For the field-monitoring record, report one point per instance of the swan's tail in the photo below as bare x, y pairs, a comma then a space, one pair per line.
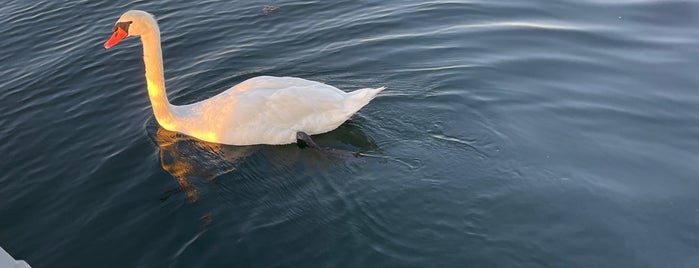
361, 97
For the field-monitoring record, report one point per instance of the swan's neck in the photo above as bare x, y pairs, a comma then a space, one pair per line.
155, 79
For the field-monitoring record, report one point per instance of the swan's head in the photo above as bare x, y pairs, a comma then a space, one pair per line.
131, 23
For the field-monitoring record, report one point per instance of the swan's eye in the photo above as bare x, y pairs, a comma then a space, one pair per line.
123, 25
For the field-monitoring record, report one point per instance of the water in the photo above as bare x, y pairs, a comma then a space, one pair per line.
511, 134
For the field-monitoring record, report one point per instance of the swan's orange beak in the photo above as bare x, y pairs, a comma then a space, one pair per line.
117, 36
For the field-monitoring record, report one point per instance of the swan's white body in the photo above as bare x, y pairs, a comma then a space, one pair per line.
260, 110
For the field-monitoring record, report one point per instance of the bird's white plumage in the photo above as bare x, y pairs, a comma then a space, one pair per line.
270, 110
260, 110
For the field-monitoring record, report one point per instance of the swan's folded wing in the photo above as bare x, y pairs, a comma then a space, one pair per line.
309, 107
273, 109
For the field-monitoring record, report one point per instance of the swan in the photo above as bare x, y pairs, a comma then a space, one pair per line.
260, 110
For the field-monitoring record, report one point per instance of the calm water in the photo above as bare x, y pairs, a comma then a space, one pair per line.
512, 134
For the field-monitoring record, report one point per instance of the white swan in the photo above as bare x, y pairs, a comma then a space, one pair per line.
260, 110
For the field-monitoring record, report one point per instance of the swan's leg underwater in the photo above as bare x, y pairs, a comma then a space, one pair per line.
303, 139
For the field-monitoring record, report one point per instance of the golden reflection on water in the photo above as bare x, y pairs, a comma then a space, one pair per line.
191, 161
186, 158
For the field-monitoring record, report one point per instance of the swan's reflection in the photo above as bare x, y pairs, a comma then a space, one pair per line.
188, 159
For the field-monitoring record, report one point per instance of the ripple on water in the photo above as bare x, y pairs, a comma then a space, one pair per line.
499, 117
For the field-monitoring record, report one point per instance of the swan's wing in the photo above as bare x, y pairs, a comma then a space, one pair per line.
292, 103
271, 110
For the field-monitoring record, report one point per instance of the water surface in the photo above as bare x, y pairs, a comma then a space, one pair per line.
511, 134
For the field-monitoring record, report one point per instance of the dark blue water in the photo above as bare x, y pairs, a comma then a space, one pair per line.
511, 134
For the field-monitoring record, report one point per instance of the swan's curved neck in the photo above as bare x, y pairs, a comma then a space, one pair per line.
155, 79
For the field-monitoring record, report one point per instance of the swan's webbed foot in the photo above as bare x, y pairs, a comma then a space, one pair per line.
304, 140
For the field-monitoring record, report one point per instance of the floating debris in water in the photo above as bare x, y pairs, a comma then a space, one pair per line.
269, 9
